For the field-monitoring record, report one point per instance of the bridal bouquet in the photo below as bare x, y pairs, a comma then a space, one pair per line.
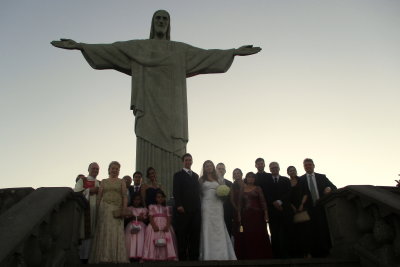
222, 191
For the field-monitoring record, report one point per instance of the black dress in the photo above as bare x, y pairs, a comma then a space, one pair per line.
301, 231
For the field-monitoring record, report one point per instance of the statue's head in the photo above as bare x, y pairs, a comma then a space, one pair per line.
160, 25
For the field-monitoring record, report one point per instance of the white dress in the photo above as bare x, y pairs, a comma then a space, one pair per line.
215, 243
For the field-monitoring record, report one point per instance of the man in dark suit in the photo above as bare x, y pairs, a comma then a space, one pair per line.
186, 192
137, 182
317, 185
262, 177
280, 213
228, 208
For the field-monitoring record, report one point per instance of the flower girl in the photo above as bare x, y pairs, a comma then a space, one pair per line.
160, 241
135, 230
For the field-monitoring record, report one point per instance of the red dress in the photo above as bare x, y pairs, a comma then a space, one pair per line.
254, 242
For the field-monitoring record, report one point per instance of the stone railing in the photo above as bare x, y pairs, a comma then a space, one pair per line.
364, 223
42, 229
11, 196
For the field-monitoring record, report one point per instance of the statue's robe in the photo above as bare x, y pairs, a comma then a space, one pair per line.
159, 69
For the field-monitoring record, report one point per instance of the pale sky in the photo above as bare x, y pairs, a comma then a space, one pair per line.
326, 86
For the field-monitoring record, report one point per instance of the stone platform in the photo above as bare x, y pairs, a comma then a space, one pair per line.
41, 228
248, 263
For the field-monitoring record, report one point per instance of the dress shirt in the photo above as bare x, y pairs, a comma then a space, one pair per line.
276, 178
190, 172
136, 188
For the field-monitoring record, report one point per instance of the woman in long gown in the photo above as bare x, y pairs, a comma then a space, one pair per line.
253, 216
215, 243
234, 195
301, 231
109, 239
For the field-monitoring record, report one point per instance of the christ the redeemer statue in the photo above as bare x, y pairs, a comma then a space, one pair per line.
159, 68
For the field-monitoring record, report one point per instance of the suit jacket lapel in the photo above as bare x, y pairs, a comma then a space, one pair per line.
320, 184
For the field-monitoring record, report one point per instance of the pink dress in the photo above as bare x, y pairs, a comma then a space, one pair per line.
159, 253
135, 242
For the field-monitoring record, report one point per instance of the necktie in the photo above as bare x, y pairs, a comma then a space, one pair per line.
136, 188
190, 173
276, 180
313, 190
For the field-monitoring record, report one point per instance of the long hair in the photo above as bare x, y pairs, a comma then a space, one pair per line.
235, 183
214, 174
150, 169
250, 174
153, 32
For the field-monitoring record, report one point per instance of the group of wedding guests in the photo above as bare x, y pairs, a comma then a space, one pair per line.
297, 224
125, 222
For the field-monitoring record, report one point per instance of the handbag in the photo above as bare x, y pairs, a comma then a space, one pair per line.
135, 227
160, 241
301, 216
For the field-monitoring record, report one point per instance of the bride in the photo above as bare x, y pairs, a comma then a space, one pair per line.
215, 243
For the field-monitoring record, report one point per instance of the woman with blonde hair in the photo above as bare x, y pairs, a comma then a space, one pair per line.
109, 240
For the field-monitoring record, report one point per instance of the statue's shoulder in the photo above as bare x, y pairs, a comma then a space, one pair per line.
180, 44
130, 42
142, 44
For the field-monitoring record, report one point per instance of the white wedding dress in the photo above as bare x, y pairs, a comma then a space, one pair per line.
215, 243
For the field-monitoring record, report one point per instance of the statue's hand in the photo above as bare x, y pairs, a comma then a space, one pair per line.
247, 50
67, 44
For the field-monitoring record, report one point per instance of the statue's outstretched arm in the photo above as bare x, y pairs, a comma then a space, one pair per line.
67, 44
246, 50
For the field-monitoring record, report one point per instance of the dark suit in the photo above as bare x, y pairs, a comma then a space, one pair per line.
131, 192
279, 221
137, 190
186, 192
228, 210
320, 239
262, 179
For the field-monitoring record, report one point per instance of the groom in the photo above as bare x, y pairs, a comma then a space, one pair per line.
186, 192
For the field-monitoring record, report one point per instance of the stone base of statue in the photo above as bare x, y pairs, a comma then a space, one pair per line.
164, 162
